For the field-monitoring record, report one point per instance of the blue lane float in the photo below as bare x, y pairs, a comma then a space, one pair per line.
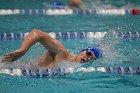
73, 35
12, 36
128, 35
44, 72
66, 11
122, 70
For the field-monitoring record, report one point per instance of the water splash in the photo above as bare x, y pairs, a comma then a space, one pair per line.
108, 46
67, 64
110, 4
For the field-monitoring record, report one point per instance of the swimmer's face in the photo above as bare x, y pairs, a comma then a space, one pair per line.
85, 56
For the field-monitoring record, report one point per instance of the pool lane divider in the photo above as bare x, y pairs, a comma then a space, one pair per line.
44, 72
68, 12
73, 35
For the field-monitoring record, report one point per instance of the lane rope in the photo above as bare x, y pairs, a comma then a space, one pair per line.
39, 73
73, 35
68, 12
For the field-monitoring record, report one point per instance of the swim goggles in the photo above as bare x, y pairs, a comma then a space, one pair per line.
89, 54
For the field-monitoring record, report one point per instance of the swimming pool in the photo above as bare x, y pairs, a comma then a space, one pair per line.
118, 52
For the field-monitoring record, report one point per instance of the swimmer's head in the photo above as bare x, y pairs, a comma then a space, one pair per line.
95, 51
88, 54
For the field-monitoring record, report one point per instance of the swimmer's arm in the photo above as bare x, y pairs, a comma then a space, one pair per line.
47, 41
33, 37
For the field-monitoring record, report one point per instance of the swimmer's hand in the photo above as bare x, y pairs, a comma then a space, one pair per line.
13, 56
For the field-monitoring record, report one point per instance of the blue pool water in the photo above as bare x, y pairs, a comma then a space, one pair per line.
117, 52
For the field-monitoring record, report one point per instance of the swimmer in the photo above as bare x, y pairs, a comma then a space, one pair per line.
76, 4
56, 54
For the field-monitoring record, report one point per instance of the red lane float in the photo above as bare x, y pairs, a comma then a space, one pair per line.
135, 11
